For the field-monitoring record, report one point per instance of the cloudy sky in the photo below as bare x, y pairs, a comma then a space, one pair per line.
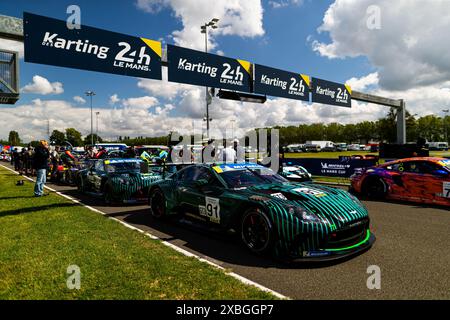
403, 54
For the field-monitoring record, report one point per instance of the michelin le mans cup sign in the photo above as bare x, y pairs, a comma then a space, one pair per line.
209, 70
49, 41
279, 83
328, 92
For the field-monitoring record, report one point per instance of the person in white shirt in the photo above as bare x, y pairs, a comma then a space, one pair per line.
227, 154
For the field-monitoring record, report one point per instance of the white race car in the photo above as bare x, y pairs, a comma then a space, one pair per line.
296, 173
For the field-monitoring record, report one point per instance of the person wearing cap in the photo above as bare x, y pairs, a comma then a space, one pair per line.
40, 164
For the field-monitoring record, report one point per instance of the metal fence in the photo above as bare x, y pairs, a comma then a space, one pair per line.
9, 84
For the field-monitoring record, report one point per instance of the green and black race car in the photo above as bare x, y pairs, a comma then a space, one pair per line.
124, 180
271, 215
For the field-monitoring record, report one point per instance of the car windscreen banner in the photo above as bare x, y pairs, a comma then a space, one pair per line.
332, 93
49, 41
208, 70
279, 83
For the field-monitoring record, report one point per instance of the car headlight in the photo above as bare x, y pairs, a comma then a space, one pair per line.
304, 215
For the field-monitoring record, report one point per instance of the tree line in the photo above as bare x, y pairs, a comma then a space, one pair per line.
430, 127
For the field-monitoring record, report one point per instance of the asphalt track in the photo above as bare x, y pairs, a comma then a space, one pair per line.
412, 251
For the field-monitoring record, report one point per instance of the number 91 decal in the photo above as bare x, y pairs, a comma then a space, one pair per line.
211, 210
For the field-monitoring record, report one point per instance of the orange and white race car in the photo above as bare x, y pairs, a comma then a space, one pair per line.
425, 180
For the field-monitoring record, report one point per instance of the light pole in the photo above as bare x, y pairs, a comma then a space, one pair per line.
91, 94
445, 124
96, 134
208, 98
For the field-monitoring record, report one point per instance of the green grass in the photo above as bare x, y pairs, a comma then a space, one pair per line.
41, 237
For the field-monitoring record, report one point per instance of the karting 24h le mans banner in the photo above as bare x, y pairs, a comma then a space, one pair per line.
333, 93
209, 70
279, 83
49, 41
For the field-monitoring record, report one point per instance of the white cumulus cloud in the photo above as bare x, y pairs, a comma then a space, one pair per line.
410, 48
79, 99
242, 18
163, 88
114, 99
144, 103
284, 3
41, 85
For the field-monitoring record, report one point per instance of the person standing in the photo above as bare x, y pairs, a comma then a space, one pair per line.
22, 161
15, 159
40, 163
54, 159
24, 155
227, 154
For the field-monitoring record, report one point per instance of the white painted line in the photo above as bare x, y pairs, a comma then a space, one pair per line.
166, 243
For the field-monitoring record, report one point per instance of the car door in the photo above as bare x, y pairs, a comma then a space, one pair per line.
423, 181
90, 177
94, 176
199, 193
435, 181
397, 187
185, 190
413, 181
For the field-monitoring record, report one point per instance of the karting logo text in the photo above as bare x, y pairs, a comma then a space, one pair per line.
51, 40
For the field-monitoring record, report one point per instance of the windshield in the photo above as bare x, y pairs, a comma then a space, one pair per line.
247, 177
130, 166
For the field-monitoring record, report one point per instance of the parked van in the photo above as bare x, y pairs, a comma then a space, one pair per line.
324, 145
341, 146
294, 148
353, 147
438, 146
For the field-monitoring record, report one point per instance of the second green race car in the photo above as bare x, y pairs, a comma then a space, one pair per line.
270, 214
119, 180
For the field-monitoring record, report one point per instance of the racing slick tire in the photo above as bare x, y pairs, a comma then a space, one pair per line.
157, 202
374, 188
256, 231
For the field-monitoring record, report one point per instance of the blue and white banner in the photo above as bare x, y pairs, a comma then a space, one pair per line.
49, 41
209, 70
333, 93
279, 83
